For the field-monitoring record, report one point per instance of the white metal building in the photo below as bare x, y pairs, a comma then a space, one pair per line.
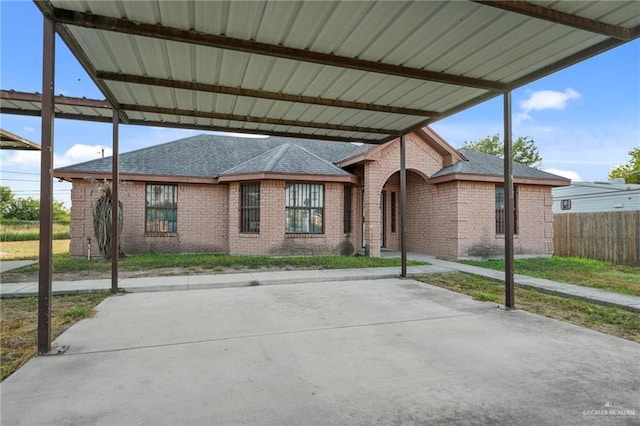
593, 197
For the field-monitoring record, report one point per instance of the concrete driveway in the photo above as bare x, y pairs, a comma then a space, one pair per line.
362, 352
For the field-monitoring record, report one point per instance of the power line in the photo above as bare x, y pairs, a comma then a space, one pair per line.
19, 180
37, 192
22, 173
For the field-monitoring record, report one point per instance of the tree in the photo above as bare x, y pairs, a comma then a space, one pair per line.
6, 200
24, 209
60, 212
629, 171
28, 208
102, 222
524, 149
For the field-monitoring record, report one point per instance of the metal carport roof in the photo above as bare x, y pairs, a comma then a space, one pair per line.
338, 70
10, 141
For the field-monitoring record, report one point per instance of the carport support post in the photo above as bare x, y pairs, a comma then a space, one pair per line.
508, 205
45, 274
403, 207
115, 211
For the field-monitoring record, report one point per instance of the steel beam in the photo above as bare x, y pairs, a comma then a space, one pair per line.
12, 95
563, 18
254, 119
403, 207
45, 274
261, 94
115, 211
509, 208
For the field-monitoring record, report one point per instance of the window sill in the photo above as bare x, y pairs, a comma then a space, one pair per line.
501, 236
161, 234
249, 235
304, 235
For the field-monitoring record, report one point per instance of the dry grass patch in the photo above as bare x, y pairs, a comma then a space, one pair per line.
19, 325
21, 250
614, 321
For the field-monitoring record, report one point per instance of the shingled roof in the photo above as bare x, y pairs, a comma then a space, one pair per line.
209, 156
287, 158
479, 163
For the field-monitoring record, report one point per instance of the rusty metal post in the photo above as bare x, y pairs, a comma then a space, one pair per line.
115, 211
403, 207
509, 216
45, 274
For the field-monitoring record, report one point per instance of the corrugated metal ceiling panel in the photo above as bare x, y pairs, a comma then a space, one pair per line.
151, 57
361, 30
185, 99
198, 121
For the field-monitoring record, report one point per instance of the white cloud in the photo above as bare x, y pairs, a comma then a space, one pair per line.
519, 117
27, 159
548, 99
30, 160
79, 153
569, 174
29, 129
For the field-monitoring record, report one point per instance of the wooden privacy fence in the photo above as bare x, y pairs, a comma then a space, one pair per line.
612, 236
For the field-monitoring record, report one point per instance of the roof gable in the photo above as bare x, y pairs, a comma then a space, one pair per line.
286, 158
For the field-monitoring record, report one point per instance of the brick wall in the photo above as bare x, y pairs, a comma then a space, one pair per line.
477, 219
447, 219
202, 220
273, 239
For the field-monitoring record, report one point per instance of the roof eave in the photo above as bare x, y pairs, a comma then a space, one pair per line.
287, 176
71, 175
498, 179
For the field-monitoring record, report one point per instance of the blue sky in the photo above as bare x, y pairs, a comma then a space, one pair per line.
584, 119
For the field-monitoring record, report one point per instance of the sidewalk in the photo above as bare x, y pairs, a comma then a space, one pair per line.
193, 282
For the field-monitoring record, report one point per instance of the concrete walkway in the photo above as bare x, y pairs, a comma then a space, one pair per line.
193, 282
594, 295
7, 265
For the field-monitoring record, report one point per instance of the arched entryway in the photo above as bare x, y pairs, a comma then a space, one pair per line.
419, 210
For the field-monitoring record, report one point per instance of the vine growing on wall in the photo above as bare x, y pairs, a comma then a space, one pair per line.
102, 210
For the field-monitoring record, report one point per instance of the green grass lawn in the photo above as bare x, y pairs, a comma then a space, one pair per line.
573, 270
64, 263
614, 321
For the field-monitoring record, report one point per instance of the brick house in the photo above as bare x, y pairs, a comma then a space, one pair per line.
278, 196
